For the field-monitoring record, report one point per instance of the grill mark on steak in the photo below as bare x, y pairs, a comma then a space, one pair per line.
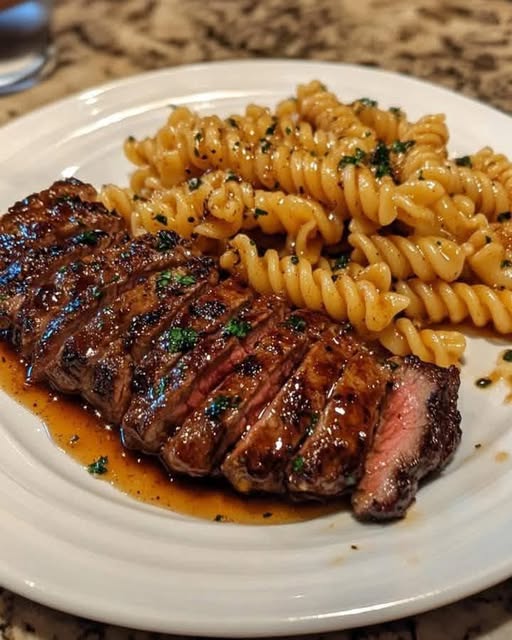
418, 433
140, 427
259, 460
65, 209
204, 438
331, 458
155, 298
37, 266
83, 287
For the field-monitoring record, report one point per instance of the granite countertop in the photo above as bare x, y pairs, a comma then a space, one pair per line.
465, 45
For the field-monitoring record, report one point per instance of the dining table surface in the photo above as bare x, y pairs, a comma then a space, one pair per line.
464, 45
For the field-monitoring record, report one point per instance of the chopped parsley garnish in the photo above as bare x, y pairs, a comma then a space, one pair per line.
99, 466
137, 197
181, 339
288, 131
130, 139
342, 261
420, 175
507, 356
295, 259
97, 293
164, 279
265, 145
231, 177
298, 464
232, 122
483, 382
359, 156
505, 264
488, 239
159, 217
89, 238
396, 111
185, 279
237, 327
220, 518
368, 102
380, 160
166, 240
313, 421
504, 216
296, 323
198, 137
464, 161
168, 277
74, 439
271, 130
260, 212
194, 183
220, 404
400, 146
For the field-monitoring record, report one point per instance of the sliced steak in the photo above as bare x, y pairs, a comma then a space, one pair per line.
259, 460
66, 209
418, 433
186, 379
38, 266
332, 457
53, 312
151, 303
220, 421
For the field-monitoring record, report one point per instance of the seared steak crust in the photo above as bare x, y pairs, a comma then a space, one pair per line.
208, 375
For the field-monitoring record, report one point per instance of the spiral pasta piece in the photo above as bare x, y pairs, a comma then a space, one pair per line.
427, 257
385, 123
430, 131
457, 302
342, 297
443, 348
496, 165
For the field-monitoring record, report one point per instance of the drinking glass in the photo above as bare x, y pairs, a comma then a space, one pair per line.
25, 42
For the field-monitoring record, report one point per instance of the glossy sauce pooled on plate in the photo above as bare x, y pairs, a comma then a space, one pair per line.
82, 434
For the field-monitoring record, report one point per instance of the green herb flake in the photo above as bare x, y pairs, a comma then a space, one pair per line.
288, 131
185, 280
265, 145
89, 238
260, 212
198, 137
159, 217
297, 464
483, 382
400, 146
232, 123
166, 241
420, 175
218, 405
271, 130
220, 518
231, 177
396, 111
74, 439
194, 183
99, 466
181, 339
313, 421
130, 139
368, 102
97, 293
294, 259
505, 264
507, 356
359, 156
380, 160
488, 239
297, 323
504, 216
136, 198
342, 261
237, 327
464, 161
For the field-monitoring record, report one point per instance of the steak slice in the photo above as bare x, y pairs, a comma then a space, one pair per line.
151, 303
207, 434
52, 313
331, 458
36, 266
67, 208
185, 386
418, 433
259, 460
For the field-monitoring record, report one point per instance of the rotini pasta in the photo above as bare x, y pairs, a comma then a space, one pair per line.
342, 297
272, 191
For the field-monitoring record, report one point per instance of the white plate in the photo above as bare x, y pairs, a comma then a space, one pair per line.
74, 543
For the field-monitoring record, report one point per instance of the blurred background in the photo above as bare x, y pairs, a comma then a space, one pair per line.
463, 44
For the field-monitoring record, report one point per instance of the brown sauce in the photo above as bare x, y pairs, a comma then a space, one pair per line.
81, 434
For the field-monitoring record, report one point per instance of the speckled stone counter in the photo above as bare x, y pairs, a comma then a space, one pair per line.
465, 45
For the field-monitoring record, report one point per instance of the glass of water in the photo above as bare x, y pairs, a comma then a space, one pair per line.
25, 42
